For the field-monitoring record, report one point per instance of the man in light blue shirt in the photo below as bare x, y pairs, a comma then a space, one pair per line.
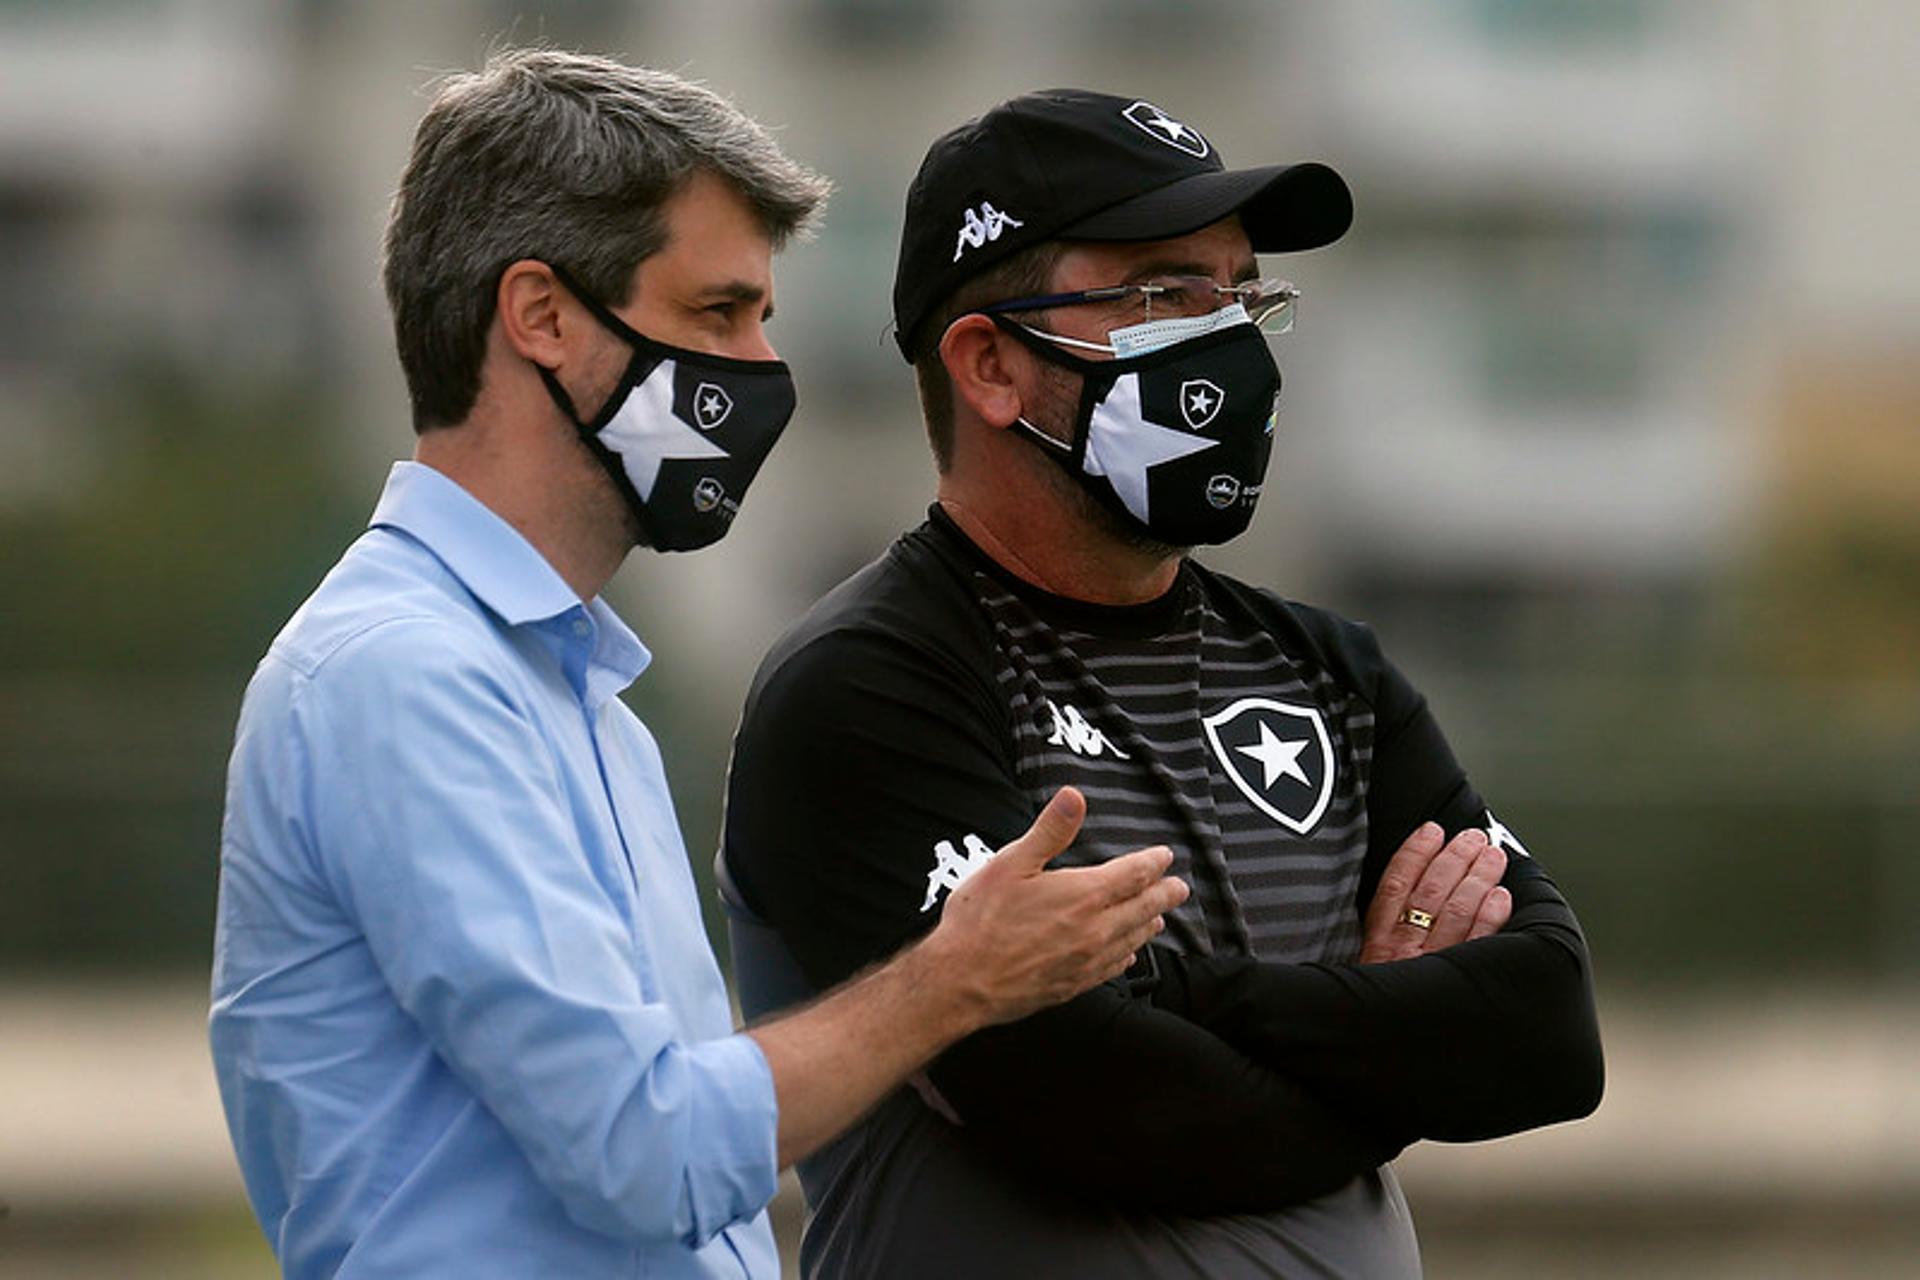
465, 1020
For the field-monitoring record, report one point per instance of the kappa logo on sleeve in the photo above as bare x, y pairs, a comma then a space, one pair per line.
1497, 833
951, 868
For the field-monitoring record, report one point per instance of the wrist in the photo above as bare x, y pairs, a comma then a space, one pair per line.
939, 980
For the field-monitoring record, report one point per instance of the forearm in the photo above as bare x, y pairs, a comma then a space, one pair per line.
832, 1060
1112, 1100
1483, 1039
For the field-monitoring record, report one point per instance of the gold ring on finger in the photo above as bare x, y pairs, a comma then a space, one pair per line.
1418, 919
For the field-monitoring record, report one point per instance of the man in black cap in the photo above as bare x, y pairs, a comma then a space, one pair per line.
1368, 958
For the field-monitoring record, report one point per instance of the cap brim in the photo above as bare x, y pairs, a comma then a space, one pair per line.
1284, 208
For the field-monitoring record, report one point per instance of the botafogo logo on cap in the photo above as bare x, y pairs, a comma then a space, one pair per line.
1161, 127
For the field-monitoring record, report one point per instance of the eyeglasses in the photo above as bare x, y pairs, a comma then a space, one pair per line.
1269, 302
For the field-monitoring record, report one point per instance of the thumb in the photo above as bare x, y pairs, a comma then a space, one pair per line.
1049, 835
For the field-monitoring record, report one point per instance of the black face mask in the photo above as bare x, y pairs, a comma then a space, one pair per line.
1175, 441
683, 432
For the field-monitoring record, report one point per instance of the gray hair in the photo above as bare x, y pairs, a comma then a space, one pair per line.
569, 159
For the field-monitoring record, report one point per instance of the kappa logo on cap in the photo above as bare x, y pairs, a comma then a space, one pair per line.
1161, 127
711, 405
978, 228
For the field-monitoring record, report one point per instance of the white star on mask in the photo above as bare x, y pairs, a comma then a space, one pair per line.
1123, 446
1201, 402
1277, 759
644, 433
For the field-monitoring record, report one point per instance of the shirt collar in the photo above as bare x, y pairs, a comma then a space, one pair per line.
496, 563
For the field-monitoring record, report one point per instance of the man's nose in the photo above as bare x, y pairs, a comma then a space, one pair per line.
754, 345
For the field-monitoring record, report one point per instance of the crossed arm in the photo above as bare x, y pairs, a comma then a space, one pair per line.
1236, 1085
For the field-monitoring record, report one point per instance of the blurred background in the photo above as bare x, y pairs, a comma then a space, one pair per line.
1606, 414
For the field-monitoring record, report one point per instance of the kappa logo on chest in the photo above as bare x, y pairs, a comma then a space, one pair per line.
1079, 735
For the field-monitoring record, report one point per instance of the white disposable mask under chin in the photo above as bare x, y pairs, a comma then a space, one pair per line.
1153, 335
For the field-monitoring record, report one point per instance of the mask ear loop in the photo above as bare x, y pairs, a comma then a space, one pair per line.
1039, 437
560, 396
1090, 399
599, 310
608, 459
1062, 340
1071, 454
630, 377
589, 432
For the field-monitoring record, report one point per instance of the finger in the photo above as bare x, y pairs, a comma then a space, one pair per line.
1129, 944
1398, 937
1137, 933
1403, 871
1114, 968
1127, 876
1142, 917
1160, 897
1169, 893
1131, 925
1493, 914
1155, 927
1048, 837
1444, 873
1454, 920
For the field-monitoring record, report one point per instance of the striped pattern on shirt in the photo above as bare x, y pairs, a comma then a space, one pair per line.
1122, 718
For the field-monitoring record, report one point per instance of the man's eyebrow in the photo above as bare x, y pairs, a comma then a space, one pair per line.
736, 291
1247, 270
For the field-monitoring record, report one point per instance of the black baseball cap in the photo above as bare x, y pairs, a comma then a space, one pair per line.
1073, 164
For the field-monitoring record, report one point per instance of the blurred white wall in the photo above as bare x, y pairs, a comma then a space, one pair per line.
1584, 234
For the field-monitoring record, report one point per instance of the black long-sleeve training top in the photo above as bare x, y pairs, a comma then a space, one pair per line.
1228, 1109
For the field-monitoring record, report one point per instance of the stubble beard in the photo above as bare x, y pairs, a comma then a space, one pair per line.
604, 496
1060, 391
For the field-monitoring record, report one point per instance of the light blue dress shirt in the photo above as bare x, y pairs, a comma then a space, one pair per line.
465, 1019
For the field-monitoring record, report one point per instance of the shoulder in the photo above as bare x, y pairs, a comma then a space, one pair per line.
912, 609
388, 632
387, 599
1345, 649
377, 666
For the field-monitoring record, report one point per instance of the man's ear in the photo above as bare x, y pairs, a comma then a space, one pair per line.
981, 363
529, 304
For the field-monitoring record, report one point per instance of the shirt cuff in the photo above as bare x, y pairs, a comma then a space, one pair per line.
735, 1124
